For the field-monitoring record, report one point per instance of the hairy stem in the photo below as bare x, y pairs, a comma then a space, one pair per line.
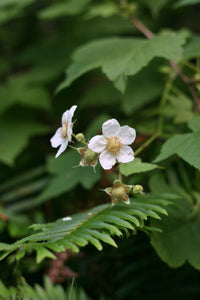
190, 82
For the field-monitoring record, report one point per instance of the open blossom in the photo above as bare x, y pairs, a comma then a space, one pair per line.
63, 134
113, 144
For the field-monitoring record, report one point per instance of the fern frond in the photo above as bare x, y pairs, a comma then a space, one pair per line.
94, 226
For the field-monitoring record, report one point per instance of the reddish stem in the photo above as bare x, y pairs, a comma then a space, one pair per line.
190, 82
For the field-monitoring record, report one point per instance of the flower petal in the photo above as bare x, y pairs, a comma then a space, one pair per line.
68, 114
125, 155
110, 128
97, 143
107, 160
57, 139
62, 147
127, 135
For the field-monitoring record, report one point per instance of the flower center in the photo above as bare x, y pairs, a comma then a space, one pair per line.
113, 144
64, 130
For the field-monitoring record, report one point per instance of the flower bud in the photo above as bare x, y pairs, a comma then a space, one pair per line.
90, 156
80, 137
119, 192
137, 189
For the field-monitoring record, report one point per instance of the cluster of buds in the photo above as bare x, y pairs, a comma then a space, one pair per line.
112, 147
119, 192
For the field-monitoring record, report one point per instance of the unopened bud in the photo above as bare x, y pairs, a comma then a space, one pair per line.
119, 192
80, 137
137, 189
90, 156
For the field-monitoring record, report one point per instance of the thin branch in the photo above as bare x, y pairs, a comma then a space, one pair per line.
190, 82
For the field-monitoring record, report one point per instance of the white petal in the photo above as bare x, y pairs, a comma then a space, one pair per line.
107, 160
127, 135
110, 128
62, 147
97, 143
72, 110
57, 139
68, 114
125, 155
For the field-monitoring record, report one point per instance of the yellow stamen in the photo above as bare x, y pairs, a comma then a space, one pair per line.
114, 145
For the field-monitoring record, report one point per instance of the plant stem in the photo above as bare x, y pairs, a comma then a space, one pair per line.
190, 82
147, 143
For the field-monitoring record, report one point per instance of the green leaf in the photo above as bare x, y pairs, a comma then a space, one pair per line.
23, 94
184, 145
14, 136
42, 253
96, 225
67, 8
136, 166
192, 48
103, 10
179, 240
181, 3
67, 174
194, 125
122, 57
155, 5
179, 107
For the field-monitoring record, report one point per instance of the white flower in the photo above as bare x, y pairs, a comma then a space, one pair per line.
113, 144
63, 134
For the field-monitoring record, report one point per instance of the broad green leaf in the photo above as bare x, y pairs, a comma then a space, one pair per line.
194, 125
4, 3
14, 136
192, 48
122, 57
17, 91
104, 10
155, 5
136, 166
67, 175
181, 3
179, 107
184, 145
179, 241
65, 8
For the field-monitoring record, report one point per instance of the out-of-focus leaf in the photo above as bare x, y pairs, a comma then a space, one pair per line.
182, 3
17, 91
65, 8
14, 136
136, 166
184, 145
179, 241
155, 5
122, 57
179, 107
103, 10
192, 48
67, 175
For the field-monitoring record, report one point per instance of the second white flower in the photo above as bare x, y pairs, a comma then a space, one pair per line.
113, 144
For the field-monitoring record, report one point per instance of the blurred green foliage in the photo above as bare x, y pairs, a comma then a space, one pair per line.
55, 54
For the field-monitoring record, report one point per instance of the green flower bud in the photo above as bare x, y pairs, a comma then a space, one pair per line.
80, 137
90, 156
137, 189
